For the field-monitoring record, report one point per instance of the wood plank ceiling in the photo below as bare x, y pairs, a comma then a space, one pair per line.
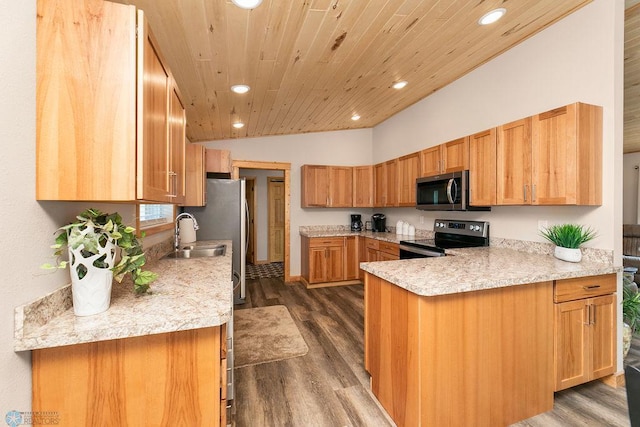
312, 64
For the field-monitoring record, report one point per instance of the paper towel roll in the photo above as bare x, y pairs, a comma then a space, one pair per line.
187, 231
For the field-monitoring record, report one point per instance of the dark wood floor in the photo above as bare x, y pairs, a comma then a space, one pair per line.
329, 386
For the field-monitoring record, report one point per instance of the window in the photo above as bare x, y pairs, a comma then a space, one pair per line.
154, 218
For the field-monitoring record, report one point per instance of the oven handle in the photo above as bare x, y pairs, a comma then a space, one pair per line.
420, 251
451, 183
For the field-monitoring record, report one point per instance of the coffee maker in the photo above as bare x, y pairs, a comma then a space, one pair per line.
356, 222
379, 222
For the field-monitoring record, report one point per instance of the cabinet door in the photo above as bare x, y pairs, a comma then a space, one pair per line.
430, 161
482, 168
340, 186
362, 255
554, 157
408, 172
85, 101
351, 264
383, 256
177, 144
571, 340
318, 265
363, 186
391, 193
195, 175
218, 161
603, 329
455, 155
335, 263
513, 168
380, 184
372, 255
153, 120
315, 186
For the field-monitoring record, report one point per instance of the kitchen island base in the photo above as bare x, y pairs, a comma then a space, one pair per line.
471, 358
176, 378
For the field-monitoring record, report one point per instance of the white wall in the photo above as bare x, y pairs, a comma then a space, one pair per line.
339, 148
630, 188
577, 59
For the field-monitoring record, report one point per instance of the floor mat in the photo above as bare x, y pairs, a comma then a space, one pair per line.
266, 334
264, 271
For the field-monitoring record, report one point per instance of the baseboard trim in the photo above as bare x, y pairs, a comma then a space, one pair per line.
329, 284
614, 380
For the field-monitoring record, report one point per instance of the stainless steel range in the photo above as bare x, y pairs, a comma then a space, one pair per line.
449, 234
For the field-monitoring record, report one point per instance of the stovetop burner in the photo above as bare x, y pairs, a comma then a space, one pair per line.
451, 234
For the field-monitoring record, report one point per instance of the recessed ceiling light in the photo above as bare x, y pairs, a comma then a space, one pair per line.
240, 88
355, 117
493, 16
238, 125
247, 4
400, 84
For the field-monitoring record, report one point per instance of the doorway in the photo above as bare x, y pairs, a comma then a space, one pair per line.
275, 194
251, 221
286, 171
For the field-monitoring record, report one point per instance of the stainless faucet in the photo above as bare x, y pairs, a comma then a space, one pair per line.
176, 235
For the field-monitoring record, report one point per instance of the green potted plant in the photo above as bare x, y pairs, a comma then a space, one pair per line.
630, 311
92, 242
568, 238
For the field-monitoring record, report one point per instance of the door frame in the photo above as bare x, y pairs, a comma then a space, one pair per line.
252, 227
286, 168
270, 179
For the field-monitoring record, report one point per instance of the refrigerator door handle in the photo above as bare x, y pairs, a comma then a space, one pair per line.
246, 234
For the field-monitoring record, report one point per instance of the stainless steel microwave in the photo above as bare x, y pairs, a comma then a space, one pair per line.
447, 192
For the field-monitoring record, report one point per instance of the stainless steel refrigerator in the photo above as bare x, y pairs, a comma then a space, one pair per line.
225, 218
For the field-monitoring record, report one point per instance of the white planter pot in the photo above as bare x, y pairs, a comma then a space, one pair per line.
568, 254
627, 334
92, 293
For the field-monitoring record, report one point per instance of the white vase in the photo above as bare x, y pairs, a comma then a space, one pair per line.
627, 334
568, 254
91, 294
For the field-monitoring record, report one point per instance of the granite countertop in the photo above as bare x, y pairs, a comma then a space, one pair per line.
188, 294
476, 269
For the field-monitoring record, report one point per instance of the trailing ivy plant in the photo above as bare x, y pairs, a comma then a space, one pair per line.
568, 235
105, 227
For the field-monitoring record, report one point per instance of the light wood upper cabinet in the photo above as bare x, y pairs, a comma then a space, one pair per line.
85, 101
177, 146
452, 156
340, 186
103, 107
315, 185
219, 161
326, 186
567, 156
362, 186
513, 163
380, 184
195, 175
391, 189
408, 172
482, 168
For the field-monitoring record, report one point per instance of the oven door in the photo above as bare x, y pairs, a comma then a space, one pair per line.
411, 252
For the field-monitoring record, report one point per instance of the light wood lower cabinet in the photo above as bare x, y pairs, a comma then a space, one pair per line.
585, 330
378, 250
329, 260
176, 378
466, 359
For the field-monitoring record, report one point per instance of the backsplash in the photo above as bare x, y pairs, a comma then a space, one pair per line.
588, 254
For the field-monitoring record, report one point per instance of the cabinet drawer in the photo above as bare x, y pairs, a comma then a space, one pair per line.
583, 287
326, 241
372, 244
389, 248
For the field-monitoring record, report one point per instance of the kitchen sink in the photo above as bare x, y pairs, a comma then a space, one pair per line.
198, 252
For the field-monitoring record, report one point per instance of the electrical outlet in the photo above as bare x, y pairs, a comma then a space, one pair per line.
421, 219
542, 224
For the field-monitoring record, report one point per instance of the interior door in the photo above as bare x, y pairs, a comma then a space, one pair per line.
276, 198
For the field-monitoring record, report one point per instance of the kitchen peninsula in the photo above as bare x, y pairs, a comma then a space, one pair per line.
148, 360
469, 339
